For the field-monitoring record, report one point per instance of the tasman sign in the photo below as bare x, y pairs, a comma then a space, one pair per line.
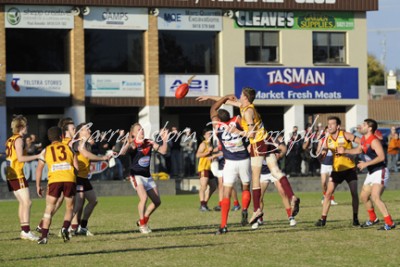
298, 83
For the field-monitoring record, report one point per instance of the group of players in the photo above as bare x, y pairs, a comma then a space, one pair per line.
68, 160
249, 151
249, 154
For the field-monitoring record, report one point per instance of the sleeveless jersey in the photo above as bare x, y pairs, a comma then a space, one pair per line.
60, 162
340, 162
234, 147
261, 133
370, 154
204, 162
140, 159
15, 169
83, 162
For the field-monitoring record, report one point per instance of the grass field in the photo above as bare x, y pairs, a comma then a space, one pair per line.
183, 236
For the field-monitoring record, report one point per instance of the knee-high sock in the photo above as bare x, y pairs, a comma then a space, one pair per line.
225, 206
256, 198
286, 187
246, 198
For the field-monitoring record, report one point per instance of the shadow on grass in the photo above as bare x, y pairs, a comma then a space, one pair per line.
87, 253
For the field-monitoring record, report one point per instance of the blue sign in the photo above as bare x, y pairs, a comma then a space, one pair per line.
298, 83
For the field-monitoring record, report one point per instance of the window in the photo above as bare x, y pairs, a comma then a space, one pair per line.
262, 47
113, 51
187, 52
37, 50
329, 47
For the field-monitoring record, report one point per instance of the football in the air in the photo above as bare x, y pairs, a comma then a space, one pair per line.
182, 90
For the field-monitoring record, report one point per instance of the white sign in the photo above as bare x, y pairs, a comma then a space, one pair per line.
114, 85
39, 17
200, 85
190, 19
38, 85
122, 18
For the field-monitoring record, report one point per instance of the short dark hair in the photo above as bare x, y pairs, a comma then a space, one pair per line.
250, 93
338, 121
54, 133
79, 127
224, 115
64, 122
372, 123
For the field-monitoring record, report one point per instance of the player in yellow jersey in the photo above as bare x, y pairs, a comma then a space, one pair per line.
343, 167
62, 164
204, 154
15, 157
84, 189
68, 129
260, 149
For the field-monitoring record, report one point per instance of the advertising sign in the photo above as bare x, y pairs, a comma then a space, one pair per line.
117, 18
297, 20
114, 85
190, 19
39, 17
298, 83
200, 85
38, 85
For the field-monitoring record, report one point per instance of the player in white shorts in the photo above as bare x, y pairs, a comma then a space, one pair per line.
266, 178
377, 177
237, 160
139, 150
217, 168
326, 167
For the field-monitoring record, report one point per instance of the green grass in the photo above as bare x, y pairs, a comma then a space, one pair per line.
183, 236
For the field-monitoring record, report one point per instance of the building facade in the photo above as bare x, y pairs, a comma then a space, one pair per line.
120, 61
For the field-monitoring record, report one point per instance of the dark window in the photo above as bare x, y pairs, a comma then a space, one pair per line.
187, 52
329, 47
37, 50
113, 51
262, 47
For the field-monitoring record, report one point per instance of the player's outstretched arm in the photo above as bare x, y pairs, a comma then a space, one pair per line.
232, 101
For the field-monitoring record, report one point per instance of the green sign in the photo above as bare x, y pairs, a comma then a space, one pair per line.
324, 20
294, 20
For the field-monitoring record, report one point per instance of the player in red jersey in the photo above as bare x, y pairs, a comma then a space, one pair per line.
377, 177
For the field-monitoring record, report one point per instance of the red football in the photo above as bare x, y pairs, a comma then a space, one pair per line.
182, 90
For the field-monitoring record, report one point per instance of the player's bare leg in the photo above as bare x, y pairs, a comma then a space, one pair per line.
202, 193
24, 210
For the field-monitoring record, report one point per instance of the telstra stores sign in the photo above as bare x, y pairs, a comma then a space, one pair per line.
299, 83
